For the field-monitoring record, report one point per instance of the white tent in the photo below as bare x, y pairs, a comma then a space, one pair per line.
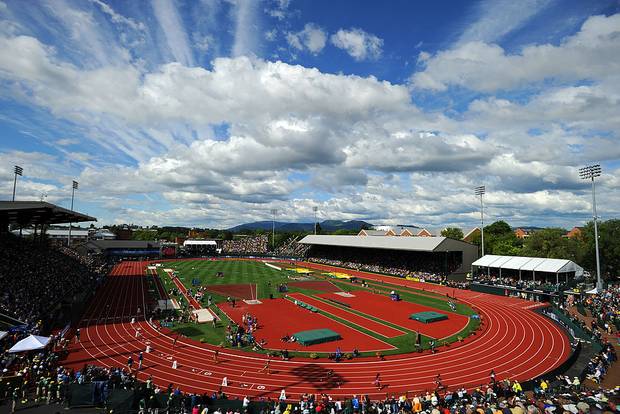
530, 264
32, 343
592, 291
3, 334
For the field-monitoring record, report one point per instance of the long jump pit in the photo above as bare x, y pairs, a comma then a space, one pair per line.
203, 315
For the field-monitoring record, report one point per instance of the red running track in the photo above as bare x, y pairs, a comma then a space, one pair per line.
514, 341
359, 320
280, 317
397, 313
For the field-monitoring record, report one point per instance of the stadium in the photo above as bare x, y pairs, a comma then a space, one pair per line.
340, 320
309, 207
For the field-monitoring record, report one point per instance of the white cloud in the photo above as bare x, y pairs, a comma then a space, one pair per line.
295, 134
247, 28
119, 18
494, 19
173, 31
592, 53
271, 35
81, 29
65, 142
311, 38
357, 43
202, 43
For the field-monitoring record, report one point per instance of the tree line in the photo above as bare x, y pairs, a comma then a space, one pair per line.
500, 239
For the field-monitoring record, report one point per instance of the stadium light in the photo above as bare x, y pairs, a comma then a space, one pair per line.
274, 212
74, 187
315, 209
589, 173
18, 171
479, 191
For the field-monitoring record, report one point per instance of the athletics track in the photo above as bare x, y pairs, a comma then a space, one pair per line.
514, 341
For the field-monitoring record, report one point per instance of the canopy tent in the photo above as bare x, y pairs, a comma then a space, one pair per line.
592, 291
199, 243
3, 334
529, 264
32, 343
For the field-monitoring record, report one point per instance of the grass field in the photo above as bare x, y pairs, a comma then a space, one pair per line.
267, 280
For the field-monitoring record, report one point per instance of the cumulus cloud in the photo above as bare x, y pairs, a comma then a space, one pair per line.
295, 135
312, 38
357, 43
592, 53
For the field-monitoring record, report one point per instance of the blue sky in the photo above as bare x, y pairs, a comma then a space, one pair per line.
213, 112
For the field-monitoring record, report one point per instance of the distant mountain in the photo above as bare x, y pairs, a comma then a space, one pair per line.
326, 226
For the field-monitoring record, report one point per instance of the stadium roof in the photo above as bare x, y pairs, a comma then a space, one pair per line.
420, 244
532, 264
27, 213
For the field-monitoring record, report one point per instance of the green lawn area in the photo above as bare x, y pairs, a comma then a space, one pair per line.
267, 280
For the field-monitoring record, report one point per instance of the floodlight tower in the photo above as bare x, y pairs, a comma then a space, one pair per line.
479, 191
74, 187
589, 173
274, 212
315, 209
18, 171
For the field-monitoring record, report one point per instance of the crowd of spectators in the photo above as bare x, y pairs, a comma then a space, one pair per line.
599, 364
36, 278
291, 248
422, 265
519, 284
377, 268
605, 309
247, 245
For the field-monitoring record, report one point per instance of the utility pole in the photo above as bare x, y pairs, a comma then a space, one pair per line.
589, 173
315, 209
74, 187
18, 171
479, 191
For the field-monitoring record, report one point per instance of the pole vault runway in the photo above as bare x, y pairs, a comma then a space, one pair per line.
513, 340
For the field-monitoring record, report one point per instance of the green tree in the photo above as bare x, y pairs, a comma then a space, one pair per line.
499, 239
498, 228
453, 233
609, 248
551, 243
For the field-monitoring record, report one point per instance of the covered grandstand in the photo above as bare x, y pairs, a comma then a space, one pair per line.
37, 214
443, 254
